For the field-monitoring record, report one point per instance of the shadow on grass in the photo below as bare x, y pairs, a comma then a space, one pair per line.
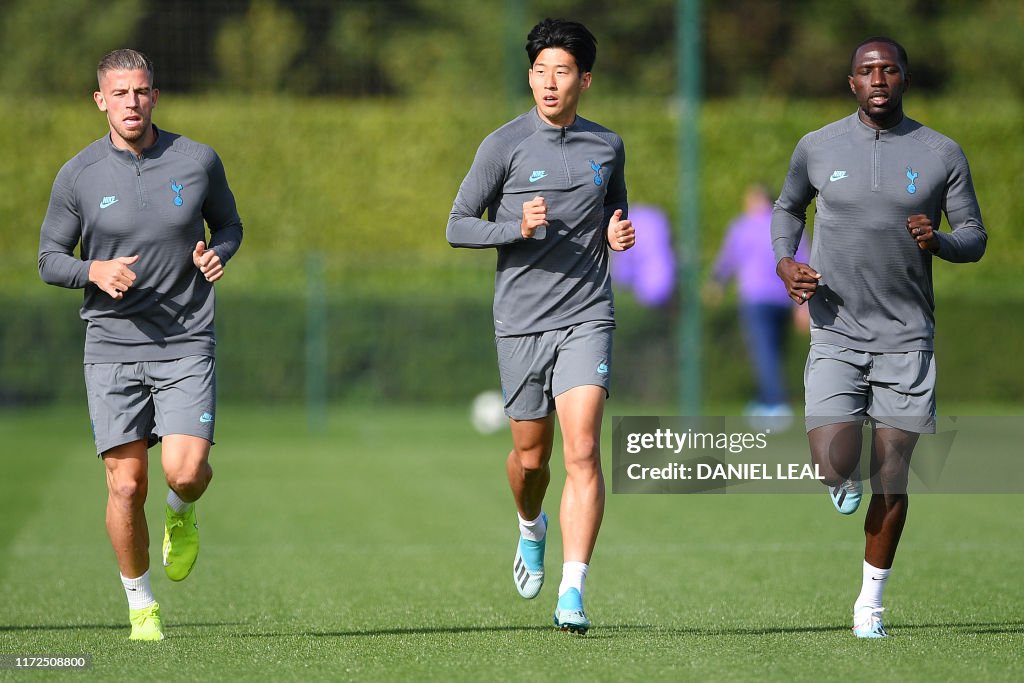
411, 631
14, 628
964, 627
610, 630
602, 631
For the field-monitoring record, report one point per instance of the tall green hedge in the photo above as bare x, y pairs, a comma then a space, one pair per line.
376, 179
368, 186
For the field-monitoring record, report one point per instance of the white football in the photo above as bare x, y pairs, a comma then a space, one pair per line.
487, 413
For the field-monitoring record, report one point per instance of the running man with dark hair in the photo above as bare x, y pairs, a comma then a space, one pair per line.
554, 190
880, 182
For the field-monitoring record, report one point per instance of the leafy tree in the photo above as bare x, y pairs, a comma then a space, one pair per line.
414, 48
428, 47
258, 53
54, 45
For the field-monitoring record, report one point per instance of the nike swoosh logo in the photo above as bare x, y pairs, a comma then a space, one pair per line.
108, 201
538, 175
838, 175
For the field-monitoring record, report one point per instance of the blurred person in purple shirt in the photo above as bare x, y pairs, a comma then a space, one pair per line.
765, 309
649, 268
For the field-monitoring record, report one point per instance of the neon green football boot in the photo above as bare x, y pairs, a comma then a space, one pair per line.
181, 542
146, 623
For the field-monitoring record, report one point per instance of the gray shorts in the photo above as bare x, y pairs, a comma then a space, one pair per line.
535, 368
893, 389
150, 399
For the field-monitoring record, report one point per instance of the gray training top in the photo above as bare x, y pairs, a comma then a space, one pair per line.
875, 292
118, 204
560, 276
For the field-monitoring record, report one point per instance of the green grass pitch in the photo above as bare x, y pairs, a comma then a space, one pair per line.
382, 550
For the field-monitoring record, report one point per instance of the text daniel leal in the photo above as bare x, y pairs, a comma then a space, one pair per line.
748, 471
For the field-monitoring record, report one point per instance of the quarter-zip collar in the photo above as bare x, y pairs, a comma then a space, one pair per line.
878, 136
136, 163
542, 124
558, 135
127, 156
900, 128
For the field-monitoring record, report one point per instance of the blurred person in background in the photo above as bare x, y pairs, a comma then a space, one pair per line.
765, 309
648, 270
553, 187
880, 182
136, 203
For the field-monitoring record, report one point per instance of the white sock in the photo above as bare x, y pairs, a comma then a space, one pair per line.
532, 531
177, 504
574, 574
138, 591
871, 587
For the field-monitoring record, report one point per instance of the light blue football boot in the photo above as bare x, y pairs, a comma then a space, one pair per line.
569, 614
846, 497
528, 565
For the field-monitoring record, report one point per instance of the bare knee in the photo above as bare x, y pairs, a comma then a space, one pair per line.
128, 491
190, 478
891, 479
582, 454
836, 449
892, 450
533, 461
